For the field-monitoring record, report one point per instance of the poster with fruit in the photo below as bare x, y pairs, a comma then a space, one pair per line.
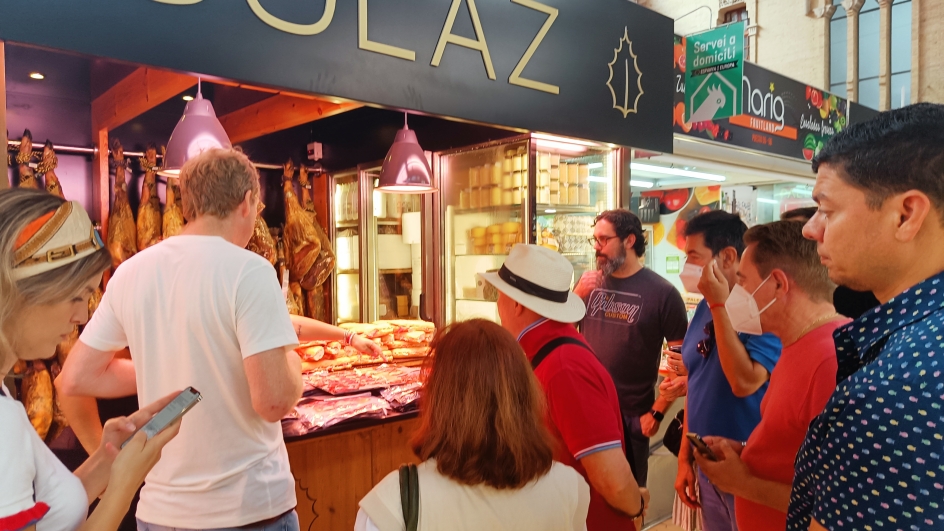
779, 115
676, 208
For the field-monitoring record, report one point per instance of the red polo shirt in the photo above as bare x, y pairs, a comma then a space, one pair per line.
583, 409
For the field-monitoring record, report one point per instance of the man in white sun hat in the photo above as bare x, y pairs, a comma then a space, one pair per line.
536, 305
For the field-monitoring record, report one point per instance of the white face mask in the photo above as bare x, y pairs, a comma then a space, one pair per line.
742, 309
690, 276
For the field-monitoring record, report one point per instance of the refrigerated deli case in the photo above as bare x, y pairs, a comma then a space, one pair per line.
534, 189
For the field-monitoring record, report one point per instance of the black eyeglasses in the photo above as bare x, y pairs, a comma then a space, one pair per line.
705, 346
602, 240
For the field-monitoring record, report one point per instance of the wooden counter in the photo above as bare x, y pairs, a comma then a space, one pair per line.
334, 471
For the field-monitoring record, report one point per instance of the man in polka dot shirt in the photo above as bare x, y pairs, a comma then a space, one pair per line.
872, 459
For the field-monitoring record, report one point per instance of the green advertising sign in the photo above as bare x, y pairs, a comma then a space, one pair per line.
715, 65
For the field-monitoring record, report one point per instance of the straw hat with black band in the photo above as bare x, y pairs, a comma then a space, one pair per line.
539, 279
53, 240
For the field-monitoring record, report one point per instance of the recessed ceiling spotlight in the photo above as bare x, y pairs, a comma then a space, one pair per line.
188, 97
37, 75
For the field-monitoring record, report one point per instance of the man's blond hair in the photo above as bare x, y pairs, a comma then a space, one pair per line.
215, 182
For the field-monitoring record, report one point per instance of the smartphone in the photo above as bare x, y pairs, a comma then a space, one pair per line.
181, 404
701, 446
676, 348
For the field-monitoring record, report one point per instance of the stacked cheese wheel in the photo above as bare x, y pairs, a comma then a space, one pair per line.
399, 340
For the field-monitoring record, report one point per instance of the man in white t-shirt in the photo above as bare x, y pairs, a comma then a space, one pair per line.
199, 310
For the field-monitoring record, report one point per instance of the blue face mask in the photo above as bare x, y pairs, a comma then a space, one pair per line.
743, 312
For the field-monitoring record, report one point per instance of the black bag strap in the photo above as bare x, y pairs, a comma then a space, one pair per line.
410, 496
553, 344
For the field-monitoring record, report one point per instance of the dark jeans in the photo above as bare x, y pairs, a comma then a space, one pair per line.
637, 449
288, 522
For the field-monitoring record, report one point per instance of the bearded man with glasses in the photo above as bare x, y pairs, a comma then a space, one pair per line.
728, 359
630, 312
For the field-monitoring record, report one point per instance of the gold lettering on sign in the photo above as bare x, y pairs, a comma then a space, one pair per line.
291, 27
448, 37
515, 78
371, 46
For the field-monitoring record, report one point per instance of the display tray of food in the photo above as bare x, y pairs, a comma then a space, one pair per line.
343, 386
398, 340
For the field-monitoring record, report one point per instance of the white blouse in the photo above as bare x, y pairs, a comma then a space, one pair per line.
31, 474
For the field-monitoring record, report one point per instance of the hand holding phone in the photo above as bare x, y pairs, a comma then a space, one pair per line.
701, 446
181, 404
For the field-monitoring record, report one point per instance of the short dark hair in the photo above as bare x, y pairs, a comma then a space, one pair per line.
625, 223
805, 213
720, 230
896, 151
781, 245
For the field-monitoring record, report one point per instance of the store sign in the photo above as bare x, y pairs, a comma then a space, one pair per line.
594, 69
713, 79
779, 115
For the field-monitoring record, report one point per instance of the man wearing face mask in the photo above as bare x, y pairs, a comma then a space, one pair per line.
630, 311
728, 366
780, 265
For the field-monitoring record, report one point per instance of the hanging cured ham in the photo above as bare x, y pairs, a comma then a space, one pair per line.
262, 242
122, 233
37, 397
47, 166
302, 245
23, 158
326, 259
149, 211
173, 210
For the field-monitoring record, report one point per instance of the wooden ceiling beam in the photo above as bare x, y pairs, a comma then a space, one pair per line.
277, 113
141, 91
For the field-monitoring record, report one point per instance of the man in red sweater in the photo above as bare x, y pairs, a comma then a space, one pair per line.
536, 305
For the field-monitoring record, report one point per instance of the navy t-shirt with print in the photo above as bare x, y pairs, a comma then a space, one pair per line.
872, 459
627, 320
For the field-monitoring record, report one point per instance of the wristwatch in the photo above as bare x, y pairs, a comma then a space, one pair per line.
658, 415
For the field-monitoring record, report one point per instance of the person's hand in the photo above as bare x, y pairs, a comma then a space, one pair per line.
366, 346
685, 484
117, 430
729, 471
648, 424
138, 457
713, 285
588, 282
645, 507
676, 363
715, 443
674, 388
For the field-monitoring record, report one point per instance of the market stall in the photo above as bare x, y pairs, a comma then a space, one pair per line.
390, 268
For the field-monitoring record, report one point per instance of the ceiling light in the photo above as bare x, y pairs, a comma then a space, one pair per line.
37, 75
188, 97
405, 168
560, 146
563, 139
640, 184
197, 131
550, 211
594, 165
677, 172
768, 201
597, 179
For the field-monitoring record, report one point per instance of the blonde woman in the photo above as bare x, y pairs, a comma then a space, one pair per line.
51, 260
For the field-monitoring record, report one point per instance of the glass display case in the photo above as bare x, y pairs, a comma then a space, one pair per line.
532, 188
379, 275
345, 233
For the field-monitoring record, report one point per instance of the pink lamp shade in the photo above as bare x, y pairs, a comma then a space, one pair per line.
405, 170
198, 130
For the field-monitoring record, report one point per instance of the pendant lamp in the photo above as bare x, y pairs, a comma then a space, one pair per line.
405, 169
198, 130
